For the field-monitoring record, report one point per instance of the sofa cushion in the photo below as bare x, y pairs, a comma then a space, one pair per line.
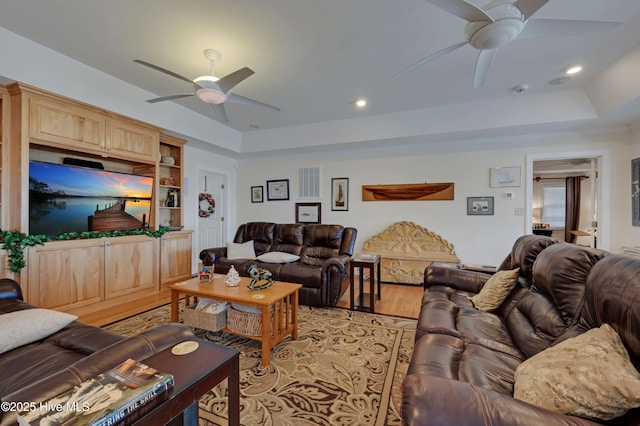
240, 250
30, 325
321, 242
277, 257
590, 376
288, 238
262, 234
496, 290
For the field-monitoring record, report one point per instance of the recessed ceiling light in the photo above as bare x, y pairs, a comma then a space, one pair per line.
361, 103
573, 69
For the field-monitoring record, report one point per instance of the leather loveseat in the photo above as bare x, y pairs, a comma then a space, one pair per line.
324, 253
467, 363
43, 368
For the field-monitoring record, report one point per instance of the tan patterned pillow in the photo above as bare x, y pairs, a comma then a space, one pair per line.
495, 290
588, 376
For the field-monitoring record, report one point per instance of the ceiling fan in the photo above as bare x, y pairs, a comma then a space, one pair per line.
500, 22
210, 89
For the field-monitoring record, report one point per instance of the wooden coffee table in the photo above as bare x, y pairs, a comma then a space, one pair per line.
279, 301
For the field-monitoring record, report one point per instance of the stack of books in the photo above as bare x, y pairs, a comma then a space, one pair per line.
118, 397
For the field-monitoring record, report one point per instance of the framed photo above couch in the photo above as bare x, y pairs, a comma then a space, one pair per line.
308, 212
340, 194
278, 189
257, 194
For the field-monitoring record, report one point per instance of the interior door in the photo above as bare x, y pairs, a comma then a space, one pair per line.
211, 208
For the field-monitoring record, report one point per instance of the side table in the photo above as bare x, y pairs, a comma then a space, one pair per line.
371, 262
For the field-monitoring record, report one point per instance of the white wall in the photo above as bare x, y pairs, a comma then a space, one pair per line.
477, 239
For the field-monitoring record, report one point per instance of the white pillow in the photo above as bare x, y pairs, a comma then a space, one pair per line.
241, 251
30, 325
277, 257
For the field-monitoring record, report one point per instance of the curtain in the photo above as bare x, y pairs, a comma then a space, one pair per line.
572, 207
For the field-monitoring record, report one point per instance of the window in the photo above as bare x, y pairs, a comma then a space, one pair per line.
553, 204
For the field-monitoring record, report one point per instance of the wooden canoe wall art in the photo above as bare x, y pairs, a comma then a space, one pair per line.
408, 192
406, 249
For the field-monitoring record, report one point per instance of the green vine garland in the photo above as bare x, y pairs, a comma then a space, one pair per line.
14, 241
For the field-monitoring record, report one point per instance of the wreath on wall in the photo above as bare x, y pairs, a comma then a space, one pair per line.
206, 205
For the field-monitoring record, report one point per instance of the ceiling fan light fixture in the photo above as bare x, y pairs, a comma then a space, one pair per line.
492, 35
211, 96
205, 79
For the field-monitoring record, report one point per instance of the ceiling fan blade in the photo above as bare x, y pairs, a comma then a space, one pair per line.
169, 98
485, 58
564, 27
227, 82
220, 113
462, 9
430, 58
232, 97
529, 7
166, 71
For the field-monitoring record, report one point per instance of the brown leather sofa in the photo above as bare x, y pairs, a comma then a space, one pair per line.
323, 268
464, 360
44, 368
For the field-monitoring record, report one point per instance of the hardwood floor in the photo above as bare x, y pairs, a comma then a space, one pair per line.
396, 299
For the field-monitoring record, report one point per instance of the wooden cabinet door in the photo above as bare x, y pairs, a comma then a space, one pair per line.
127, 139
130, 265
66, 274
66, 125
175, 256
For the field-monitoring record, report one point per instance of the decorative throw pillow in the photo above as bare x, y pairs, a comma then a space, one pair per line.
495, 290
277, 257
241, 251
589, 375
30, 325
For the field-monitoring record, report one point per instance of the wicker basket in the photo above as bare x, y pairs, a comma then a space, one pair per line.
247, 323
205, 320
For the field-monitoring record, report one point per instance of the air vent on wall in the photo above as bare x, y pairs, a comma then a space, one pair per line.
309, 183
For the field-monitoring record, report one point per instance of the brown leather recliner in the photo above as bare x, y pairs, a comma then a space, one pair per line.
323, 268
463, 364
43, 369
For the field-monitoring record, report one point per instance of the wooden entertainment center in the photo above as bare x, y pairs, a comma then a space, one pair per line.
102, 279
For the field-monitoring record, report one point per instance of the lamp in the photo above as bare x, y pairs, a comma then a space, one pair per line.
208, 90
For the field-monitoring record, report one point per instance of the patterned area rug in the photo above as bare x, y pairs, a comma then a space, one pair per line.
345, 368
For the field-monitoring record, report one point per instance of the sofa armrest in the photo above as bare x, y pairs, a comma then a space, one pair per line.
340, 263
460, 279
430, 400
10, 289
334, 270
209, 256
138, 347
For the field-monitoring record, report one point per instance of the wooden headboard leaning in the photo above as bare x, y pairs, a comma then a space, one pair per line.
406, 249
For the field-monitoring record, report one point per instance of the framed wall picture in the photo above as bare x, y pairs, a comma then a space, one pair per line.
278, 189
504, 176
480, 205
340, 194
635, 192
257, 194
308, 212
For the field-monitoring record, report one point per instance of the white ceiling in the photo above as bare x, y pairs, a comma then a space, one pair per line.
313, 58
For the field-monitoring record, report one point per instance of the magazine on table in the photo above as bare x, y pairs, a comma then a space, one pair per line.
107, 399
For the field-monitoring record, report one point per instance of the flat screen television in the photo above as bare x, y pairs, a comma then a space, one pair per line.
67, 198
